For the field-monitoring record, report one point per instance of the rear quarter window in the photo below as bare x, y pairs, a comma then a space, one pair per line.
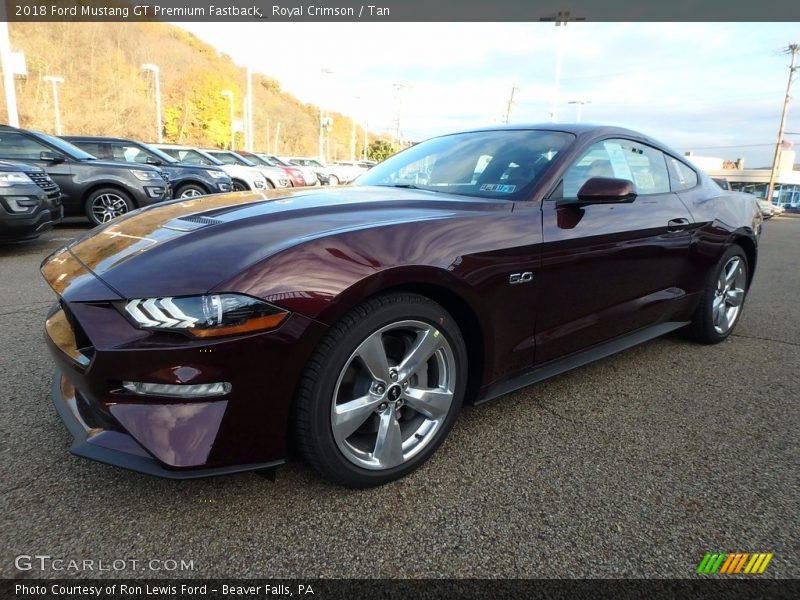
681, 175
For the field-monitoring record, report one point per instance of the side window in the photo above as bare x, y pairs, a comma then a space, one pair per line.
128, 153
642, 165
681, 175
16, 145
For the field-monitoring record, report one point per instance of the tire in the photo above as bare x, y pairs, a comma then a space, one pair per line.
346, 449
722, 298
190, 190
270, 185
333, 180
106, 204
239, 186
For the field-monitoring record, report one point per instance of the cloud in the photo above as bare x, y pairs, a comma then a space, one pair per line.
711, 84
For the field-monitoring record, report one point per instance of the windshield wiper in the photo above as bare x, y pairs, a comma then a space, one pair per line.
408, 186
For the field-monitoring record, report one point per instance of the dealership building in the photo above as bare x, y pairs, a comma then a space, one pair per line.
755, 181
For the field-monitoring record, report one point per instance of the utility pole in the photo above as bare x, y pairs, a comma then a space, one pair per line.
792, 49
507, 118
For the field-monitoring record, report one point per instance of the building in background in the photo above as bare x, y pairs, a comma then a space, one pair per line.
756, 181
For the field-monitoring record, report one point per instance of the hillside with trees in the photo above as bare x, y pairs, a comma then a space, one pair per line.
106, 93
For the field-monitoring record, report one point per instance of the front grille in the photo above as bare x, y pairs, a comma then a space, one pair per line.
43, 181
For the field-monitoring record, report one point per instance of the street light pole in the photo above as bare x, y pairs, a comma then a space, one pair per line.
55, 81
229, 95
324, 126
8, 74
560, 18
579, 108
157, 83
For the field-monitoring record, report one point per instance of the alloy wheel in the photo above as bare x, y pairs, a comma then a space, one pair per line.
190, 193
729, 295
108, 206
393, 394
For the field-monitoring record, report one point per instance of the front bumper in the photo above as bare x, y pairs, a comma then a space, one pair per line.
96, 349
117, 448
23, 226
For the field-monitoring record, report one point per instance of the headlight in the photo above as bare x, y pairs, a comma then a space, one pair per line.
147, 175
212, 315
218, 174
9, 179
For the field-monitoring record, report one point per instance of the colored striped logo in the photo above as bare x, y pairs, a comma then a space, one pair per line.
733, 563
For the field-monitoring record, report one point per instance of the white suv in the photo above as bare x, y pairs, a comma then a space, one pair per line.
242, 178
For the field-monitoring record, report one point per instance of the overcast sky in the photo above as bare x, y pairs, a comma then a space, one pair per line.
715, 88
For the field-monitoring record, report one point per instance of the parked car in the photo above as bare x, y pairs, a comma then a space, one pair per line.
276, 178
293, 173
308, 174
367, 164
358, 320
242, 178
778, 209
101, 190
353, 168
186, 180
30, 202
767, 208
333, 174
722, 182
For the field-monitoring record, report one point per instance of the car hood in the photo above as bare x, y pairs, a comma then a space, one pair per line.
192, 246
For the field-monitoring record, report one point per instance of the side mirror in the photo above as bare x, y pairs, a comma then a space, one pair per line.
152, 160
52, 157
602, 190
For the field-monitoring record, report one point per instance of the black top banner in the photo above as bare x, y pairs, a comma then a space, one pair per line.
557, 11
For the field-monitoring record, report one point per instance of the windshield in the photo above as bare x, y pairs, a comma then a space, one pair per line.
163, 156
66, 147
258, 160
231, 159
190, 156
487, 164
274, 161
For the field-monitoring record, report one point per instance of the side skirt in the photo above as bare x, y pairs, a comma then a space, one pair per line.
578, 359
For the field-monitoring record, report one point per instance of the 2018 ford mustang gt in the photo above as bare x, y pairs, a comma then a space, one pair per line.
200, 336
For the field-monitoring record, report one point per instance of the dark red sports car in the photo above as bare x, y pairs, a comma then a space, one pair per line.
197, 337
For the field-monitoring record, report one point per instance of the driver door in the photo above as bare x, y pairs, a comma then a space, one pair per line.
610, 269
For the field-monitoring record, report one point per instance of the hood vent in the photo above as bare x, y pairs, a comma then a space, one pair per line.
190, 223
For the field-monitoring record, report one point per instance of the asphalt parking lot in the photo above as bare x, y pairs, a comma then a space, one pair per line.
635, 466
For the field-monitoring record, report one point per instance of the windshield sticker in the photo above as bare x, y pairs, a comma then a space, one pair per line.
618, 161
498, 187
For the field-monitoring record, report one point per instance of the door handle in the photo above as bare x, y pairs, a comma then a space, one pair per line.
677, 225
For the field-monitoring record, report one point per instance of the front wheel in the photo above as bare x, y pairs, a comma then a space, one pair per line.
333, 180
722, 299
382, 390
106, 204
190, 190
239, 186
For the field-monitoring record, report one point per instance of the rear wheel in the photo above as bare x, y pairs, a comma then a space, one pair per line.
333, 180
382, 390
106, 204
722, 298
